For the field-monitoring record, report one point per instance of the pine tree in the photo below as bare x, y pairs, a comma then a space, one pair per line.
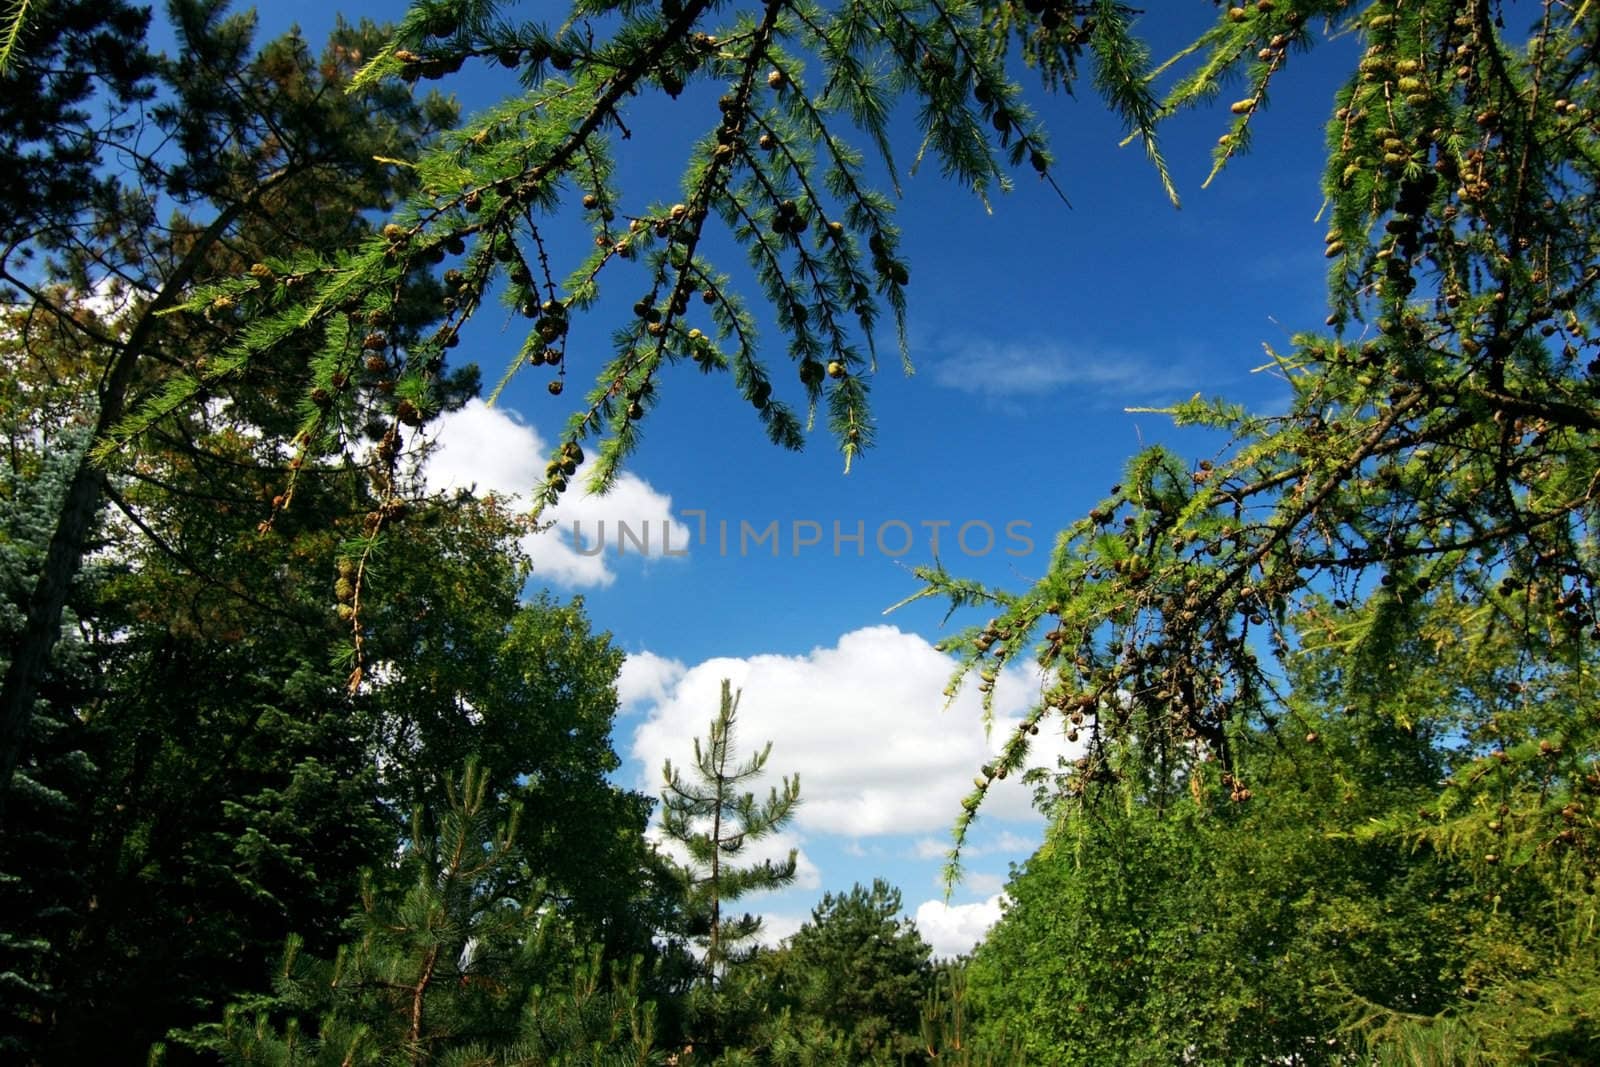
60, 62
455, 965
860, 969
946, 1025
714, 822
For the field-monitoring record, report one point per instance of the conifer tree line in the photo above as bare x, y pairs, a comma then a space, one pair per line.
270, 793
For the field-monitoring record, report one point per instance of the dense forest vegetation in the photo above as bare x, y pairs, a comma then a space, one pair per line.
295, 769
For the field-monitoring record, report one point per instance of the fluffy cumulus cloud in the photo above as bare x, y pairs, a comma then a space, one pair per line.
863, 724
951, 929
646, 679
496, 452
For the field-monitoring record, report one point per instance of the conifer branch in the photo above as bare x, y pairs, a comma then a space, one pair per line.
11, 33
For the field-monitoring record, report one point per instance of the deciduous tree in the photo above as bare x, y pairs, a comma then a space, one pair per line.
1351, 906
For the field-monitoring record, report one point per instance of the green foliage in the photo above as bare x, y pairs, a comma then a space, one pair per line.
245, 778
221, 797
1345, 903
714, 822
450, 968
10, 36
41, 889
860, 969
1445, 452
850, 987
525, 688
54, 59
256, 141
778, 170
1336, 799
199, 781
948, 1034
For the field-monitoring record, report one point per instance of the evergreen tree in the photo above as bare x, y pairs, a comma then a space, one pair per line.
203, 785
60, 64
858, 968
242, 791
454, 966
948, 1034
1438, 437
41, 900
1411, 543
1432, 476
713, 821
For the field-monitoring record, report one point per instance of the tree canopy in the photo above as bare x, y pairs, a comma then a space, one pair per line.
860, 967
1331, 686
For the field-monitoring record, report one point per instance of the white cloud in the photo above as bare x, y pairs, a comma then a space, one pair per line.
951, 929
863, 726
489, 448
779, 926
646, 678
1005, 843
108, 299
988, 368
498, 452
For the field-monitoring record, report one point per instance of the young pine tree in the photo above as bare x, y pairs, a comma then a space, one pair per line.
453, 966
714, 822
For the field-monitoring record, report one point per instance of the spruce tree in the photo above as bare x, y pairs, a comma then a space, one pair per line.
187, 747
42, 891
714, 822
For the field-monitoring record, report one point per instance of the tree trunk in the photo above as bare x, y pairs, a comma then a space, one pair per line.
30, 652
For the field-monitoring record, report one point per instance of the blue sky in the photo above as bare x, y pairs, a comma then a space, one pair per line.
1032, 330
